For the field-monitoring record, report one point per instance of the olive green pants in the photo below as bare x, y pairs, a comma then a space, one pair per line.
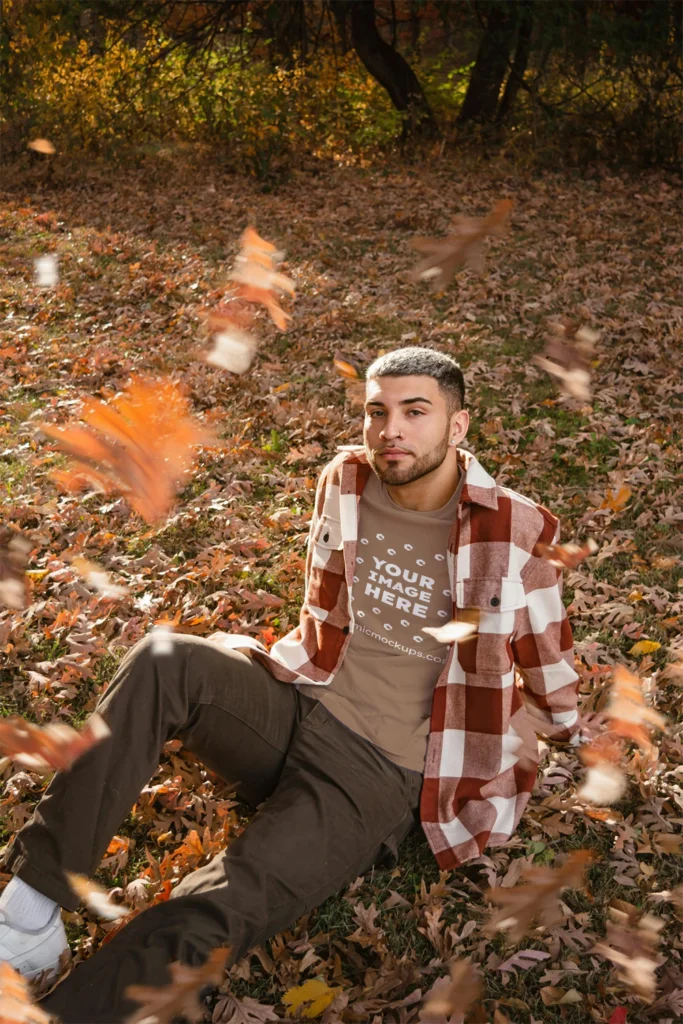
334, 806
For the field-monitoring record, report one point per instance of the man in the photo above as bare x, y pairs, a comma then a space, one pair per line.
385, 724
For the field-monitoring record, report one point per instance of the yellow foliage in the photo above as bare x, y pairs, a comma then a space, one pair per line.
312, 998
645, 647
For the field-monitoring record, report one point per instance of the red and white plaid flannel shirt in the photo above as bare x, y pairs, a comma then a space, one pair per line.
475, 787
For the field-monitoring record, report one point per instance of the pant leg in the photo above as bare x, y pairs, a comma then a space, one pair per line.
225, 707
337, 807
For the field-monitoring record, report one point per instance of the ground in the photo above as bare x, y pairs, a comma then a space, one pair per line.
142, 256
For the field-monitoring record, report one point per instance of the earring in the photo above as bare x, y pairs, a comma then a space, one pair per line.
453, 441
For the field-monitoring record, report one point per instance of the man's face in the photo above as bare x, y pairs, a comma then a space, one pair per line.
407, 428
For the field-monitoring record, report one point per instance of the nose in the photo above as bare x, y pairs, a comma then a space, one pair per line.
389, 431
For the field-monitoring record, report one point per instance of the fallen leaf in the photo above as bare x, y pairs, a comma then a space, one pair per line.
644, 647
310, 999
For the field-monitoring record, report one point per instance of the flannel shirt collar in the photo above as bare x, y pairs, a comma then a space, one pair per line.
479, 487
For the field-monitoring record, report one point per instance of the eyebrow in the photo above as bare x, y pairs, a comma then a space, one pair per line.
404, 401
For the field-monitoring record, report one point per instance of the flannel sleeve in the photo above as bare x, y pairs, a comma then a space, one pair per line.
543, 650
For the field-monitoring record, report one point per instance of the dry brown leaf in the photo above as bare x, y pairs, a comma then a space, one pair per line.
14, 585
631, 943
16, 1004
144, 447
180, 996
463, 247
55, 746
538, 900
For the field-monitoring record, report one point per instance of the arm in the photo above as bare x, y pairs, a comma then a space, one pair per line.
543, 649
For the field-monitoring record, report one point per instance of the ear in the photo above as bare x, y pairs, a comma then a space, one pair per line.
459, 425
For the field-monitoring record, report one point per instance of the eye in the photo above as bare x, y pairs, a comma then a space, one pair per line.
417, 411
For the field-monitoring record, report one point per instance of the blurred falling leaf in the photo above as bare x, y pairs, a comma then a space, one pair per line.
44, 748
14, 552
95, 897
16, 1004
233, 350
354, 383
463, 247
567, 356
523, 905
449, 996
42, 146
47, 275
257, 279
310, 999
162, 639
162, 1004
626, 718
452, 632
604, 784
565, 556
631, 943
143, 449
97, 578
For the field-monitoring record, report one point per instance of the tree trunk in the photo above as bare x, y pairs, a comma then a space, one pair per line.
388, 67
286, 20
519, 64
481, 99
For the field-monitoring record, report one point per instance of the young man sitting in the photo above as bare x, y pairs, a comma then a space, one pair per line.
384, 726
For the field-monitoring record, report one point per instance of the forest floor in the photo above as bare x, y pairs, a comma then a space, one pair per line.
142, 256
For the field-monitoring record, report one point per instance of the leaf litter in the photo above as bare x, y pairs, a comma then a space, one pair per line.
214, 540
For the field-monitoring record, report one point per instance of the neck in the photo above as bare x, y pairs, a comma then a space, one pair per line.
429, 492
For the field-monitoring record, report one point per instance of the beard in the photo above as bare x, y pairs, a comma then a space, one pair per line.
397, 474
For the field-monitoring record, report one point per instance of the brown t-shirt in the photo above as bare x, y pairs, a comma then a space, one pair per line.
383, 689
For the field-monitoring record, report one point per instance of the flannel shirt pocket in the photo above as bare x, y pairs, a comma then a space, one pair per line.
496, 600
328, 534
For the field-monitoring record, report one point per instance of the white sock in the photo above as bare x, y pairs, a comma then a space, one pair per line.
27, 909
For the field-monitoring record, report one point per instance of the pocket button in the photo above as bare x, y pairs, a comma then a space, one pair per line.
495, 601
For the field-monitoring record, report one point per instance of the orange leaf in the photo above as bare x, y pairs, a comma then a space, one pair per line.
16, 1004
145, 447
52, 746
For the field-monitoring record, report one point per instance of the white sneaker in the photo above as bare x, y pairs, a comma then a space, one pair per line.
31, 953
